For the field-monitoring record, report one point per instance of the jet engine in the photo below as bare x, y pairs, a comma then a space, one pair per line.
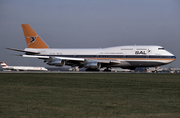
93, 65
57, 62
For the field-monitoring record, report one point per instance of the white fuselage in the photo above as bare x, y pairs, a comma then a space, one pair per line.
129, 56
25, 68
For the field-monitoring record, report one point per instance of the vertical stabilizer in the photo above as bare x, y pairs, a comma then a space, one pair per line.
4, 65
32, 38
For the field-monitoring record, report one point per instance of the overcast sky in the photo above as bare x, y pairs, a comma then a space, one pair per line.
89, 24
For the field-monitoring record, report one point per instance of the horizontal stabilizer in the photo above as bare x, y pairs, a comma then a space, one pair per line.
19, 50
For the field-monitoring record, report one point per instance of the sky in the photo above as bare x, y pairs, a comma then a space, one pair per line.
89, 24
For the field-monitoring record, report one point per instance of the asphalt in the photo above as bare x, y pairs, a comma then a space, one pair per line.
55, 72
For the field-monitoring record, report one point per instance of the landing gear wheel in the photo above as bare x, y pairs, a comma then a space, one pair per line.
107, 70
89, 69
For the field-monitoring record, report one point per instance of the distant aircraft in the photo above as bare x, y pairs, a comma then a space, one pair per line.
127, 57
22, 68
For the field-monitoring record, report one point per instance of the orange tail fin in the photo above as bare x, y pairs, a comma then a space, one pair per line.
32, 38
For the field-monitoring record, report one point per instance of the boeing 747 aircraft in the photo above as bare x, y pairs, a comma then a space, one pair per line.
22, 68
127, 57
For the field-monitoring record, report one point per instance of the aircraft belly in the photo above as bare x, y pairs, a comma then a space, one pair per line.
146, 63
136, 64
121, 64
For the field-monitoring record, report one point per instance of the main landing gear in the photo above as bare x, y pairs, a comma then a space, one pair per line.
89, 69
107, 69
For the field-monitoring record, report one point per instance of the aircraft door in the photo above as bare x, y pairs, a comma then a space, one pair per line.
147, 57
147, 54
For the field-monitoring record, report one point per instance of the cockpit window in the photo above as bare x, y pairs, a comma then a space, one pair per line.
161, 49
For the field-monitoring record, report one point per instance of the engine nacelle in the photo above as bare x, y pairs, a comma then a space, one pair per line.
57, 62
93, 65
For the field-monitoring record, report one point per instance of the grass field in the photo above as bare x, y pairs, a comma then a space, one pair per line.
90, 95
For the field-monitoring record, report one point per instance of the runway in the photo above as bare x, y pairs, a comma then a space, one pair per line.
57, 72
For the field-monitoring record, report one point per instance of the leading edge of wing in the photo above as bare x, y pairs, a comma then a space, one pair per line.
74, 59
63, 58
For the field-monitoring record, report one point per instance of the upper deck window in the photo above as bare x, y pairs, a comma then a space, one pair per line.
141, 49
161, 49
126, 49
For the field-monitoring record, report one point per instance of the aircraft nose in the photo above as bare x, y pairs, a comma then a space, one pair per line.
173, 57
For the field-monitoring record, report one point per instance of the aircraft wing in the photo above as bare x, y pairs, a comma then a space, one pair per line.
74, 59
62, 58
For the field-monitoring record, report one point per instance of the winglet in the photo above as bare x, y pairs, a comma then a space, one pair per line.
3, 65
33, 40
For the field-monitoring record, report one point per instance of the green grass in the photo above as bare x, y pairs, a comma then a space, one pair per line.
90, 95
